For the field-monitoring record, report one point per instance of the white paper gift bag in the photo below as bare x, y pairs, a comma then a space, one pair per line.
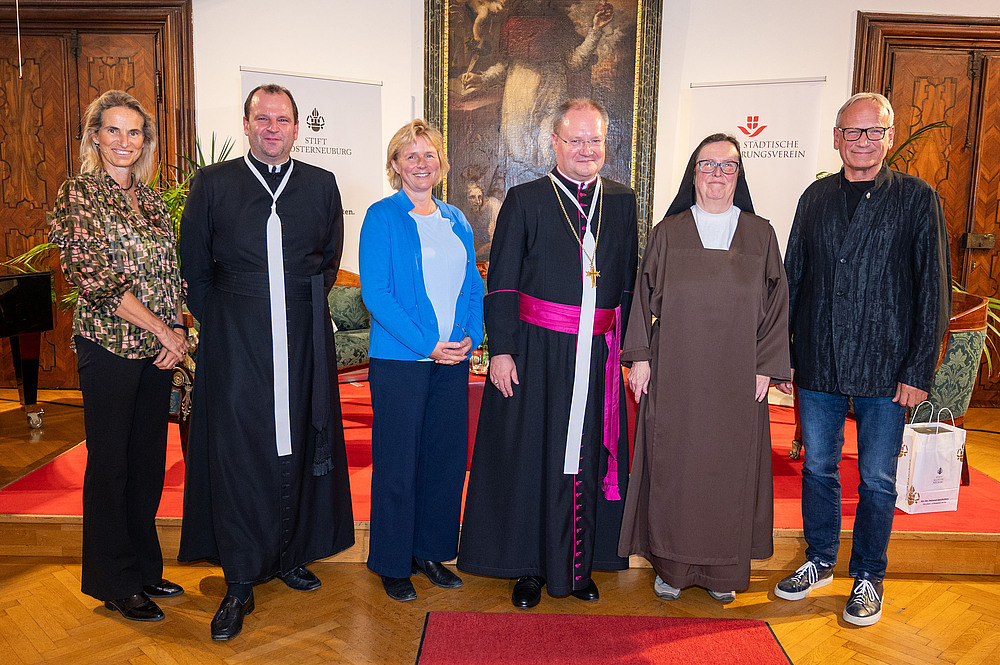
929, 469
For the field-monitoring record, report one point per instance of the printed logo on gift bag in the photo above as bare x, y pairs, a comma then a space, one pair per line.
929, 466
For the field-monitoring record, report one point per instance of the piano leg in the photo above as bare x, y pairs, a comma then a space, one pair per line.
25, 350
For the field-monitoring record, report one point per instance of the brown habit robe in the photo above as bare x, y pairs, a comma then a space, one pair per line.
700, 497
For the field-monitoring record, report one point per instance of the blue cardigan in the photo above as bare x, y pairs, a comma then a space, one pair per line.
404, 326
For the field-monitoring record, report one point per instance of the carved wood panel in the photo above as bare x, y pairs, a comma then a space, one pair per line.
33, 149
927, 87
984, 273
71, 53
120, 62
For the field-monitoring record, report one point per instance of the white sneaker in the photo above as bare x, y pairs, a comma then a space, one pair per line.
664, 590
722, 596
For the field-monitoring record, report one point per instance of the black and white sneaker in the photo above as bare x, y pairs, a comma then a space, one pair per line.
864, 607
810, 575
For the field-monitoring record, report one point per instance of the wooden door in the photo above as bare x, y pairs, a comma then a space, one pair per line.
983, 276
928, 86
70, 55
946, 69
41, 113
35, 145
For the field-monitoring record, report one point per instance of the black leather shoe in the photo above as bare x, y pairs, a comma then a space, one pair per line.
436, 573
136, 608
301, 579
399, 588
588, 592
162, 589
527, 591
228, 621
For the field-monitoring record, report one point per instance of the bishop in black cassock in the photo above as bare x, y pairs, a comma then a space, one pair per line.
525, 516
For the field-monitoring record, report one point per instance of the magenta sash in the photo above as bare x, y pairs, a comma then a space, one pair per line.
607, 322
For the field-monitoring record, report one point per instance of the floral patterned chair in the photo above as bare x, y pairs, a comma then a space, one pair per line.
958, 367
351, 322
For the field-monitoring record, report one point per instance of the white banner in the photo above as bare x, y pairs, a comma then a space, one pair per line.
778, 126
340, 129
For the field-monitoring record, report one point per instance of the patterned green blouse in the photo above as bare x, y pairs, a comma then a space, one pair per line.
108, 249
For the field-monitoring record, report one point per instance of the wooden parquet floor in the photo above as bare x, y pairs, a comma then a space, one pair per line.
45, 619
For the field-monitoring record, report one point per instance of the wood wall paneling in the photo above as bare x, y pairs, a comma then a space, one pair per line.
71, 53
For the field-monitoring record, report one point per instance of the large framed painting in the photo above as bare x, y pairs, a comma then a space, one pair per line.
496, 71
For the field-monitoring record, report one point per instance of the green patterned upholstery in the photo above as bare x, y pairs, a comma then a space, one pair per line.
352, 322
956, 377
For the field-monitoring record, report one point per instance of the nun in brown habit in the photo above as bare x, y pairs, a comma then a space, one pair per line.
707, 333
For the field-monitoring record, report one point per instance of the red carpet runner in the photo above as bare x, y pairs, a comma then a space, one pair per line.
467, 638
56, 488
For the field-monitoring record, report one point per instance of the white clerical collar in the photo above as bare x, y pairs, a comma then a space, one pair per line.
578, 183
271, 168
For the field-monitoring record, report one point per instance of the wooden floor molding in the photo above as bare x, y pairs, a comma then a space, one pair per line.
909, 552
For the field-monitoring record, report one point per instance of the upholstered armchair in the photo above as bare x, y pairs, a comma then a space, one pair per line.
351, 321
958, 366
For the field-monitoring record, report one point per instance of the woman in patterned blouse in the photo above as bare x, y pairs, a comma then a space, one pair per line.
117, 247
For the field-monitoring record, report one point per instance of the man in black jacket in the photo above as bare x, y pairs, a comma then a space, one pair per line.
869, 289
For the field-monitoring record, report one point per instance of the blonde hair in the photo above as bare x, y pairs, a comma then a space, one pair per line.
90, 157
408, 134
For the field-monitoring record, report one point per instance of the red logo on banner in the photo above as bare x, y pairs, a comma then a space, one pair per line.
753, 127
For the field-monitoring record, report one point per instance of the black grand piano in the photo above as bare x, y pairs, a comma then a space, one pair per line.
25, 313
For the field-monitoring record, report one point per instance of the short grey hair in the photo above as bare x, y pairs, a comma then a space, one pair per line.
879, 100
579, 103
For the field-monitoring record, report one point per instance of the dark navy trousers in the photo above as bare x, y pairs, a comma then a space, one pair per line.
420, 439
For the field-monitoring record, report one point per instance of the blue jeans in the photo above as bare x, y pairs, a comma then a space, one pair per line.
880, 435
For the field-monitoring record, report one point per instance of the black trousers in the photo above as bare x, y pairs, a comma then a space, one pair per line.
125, 405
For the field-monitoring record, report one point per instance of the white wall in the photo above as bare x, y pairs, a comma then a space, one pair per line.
383, 40
373, 40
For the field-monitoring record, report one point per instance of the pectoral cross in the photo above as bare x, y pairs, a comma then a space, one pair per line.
593, 275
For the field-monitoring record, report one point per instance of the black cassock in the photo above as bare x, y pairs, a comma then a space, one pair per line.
523, 515
246, 508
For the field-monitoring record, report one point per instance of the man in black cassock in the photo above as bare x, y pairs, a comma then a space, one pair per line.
266, 489
551, 456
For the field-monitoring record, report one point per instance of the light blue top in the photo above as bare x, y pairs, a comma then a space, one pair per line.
393, 285
443, 256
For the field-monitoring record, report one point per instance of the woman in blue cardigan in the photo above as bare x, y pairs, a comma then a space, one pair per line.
420, 282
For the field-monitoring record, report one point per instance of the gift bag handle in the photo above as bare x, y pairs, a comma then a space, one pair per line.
913, 414
943, 409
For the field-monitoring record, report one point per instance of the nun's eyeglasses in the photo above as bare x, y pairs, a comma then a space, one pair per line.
709, 166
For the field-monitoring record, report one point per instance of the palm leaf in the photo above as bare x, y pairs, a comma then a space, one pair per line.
908, 148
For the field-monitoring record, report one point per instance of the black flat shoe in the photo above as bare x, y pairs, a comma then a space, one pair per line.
162, 589
399, 588
136, 608
301, 579
436, 573
589, 592
527, 591
228, 621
